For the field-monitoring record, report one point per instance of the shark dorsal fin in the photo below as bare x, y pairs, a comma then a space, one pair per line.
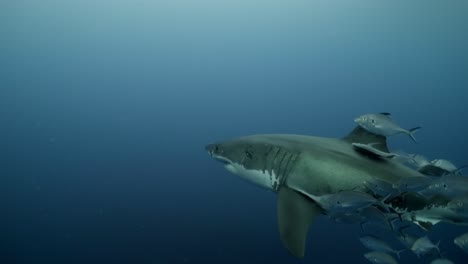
360, 135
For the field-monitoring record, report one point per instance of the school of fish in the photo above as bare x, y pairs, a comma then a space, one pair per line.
409, 208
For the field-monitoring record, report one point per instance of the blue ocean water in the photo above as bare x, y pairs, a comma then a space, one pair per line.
106, 106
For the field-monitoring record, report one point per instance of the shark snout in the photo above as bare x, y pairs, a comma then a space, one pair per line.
210, 148
213, 149
216, 151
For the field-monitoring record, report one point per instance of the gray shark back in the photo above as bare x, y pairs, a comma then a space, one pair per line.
345, 167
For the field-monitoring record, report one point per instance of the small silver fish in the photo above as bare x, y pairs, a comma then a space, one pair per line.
462, 242
403, 157
432, 215
419, 160
424, 245
413, 184
459, 205
407, 240
346, 201
375, 216
377, 244
382, 124
439, 167
441, 261
347, 218
380, 187
447, 166
378, 257
432, 170
450, 186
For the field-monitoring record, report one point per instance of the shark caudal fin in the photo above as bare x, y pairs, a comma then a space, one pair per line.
295, 214
362, 136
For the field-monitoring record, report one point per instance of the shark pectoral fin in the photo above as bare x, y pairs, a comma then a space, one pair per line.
295, 213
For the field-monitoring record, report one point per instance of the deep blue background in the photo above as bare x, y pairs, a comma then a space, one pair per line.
106, 105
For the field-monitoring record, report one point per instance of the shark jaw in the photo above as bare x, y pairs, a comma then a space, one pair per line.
258, 177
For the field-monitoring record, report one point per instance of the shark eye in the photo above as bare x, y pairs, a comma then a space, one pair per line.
372, 120
248, 154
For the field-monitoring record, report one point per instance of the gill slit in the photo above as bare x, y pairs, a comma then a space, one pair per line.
279, 164
272, 166
265, 164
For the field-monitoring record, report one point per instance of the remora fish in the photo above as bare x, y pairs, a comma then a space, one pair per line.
299, 167
382, 124
371, 147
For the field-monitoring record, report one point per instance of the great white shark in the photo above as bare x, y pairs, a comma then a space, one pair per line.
299, 168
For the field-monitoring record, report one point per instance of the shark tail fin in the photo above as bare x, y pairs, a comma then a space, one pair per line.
412, 131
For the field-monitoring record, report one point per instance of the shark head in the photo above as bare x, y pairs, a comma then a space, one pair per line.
256, 161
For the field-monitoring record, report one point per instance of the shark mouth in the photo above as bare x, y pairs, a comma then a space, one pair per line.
221, 159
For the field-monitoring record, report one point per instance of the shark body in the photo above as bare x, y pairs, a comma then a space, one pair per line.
299, 168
